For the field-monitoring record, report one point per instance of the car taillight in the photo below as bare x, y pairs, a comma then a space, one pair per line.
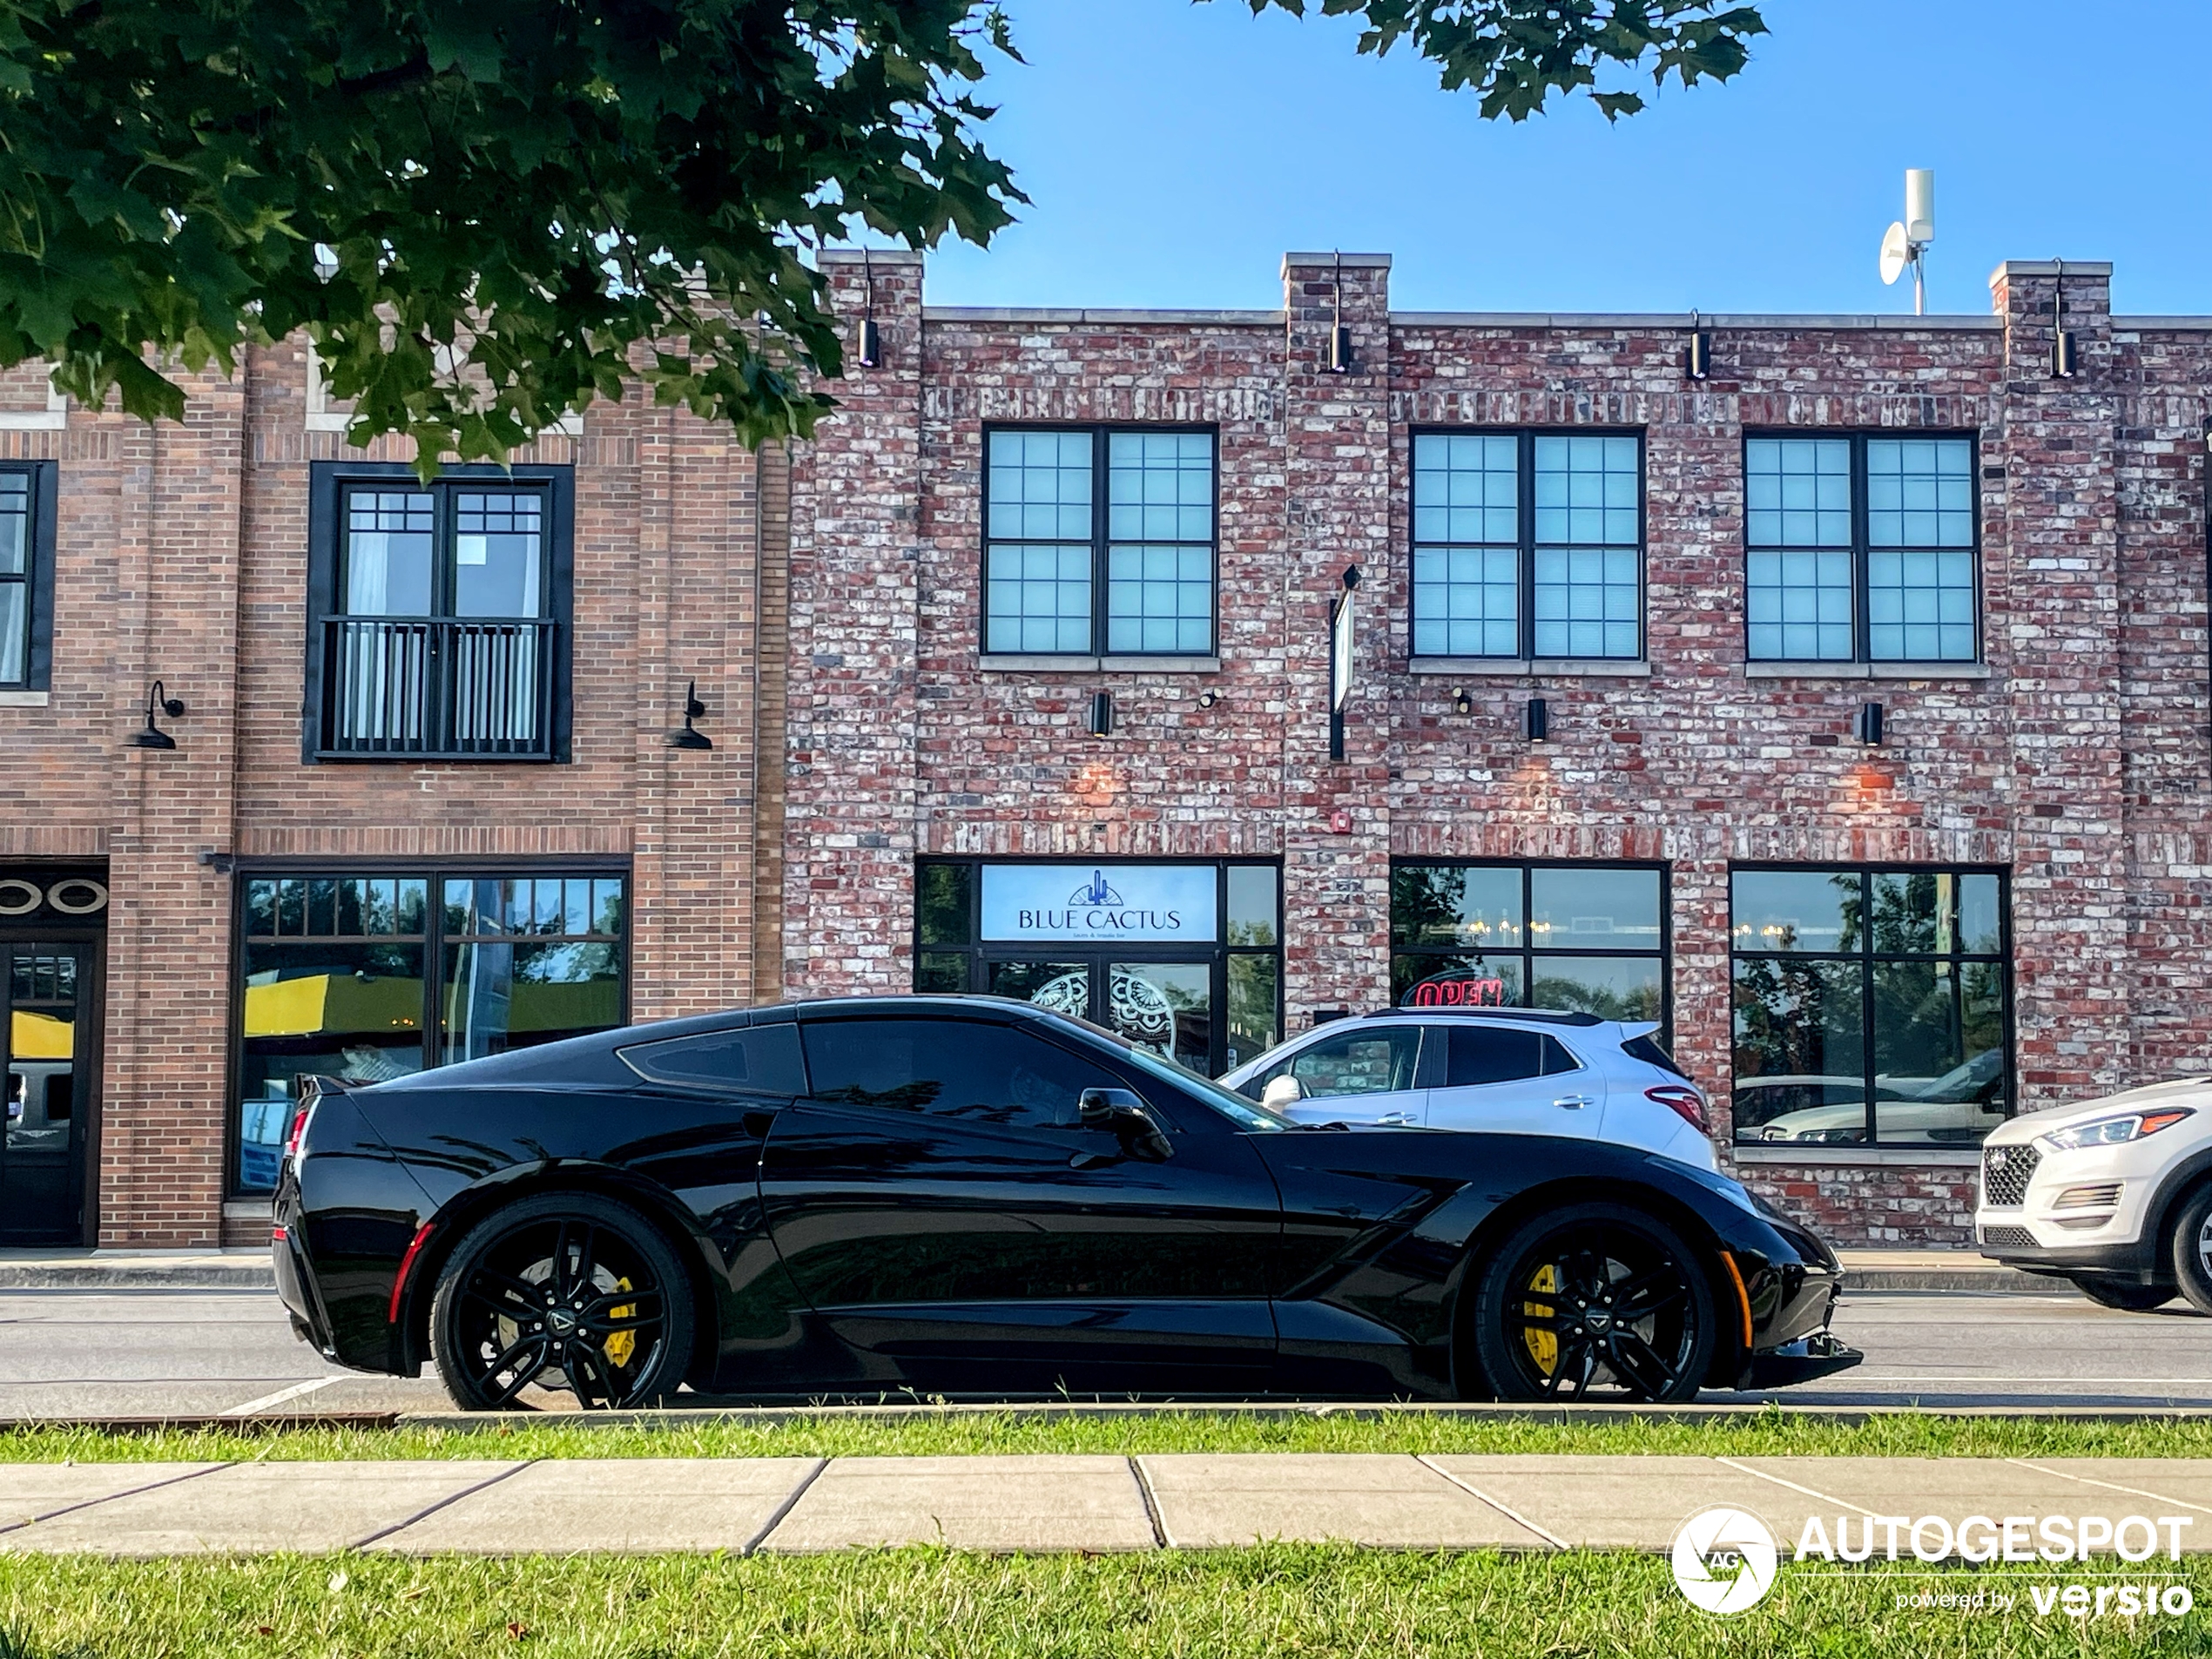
1685, 1102
299, 1117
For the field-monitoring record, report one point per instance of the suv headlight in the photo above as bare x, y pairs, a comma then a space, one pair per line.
2113, 1131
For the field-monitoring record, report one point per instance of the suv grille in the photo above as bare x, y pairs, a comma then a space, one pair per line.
2002, 1237
2006, 1171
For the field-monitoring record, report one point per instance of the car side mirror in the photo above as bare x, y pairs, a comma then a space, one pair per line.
1121, 1113
1283, 1093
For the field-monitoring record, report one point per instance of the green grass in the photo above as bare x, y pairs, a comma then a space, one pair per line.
1774, 1432
922, 1603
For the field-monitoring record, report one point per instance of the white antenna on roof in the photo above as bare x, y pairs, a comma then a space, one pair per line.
1908, 238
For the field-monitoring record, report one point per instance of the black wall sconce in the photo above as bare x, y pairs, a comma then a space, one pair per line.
1535, 719
1339, 336
688, 736
1207, 699
1461, 703
1102, 714
1867, 725
1697, 356
151, 736
870, 352
2064, 362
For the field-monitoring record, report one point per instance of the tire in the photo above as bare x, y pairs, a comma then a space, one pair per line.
2119, 1293
566, 1290
2190, 1249
1536, 1343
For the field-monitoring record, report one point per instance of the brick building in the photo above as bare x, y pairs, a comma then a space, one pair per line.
421, 802
1845, 710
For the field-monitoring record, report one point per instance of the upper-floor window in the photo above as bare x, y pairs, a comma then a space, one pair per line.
1098, 541
1860, 548
1527, 544
439, 614
26, 574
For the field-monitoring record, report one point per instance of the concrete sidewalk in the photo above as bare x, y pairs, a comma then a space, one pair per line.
1038, 1503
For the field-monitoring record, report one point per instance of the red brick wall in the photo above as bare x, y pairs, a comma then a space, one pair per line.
2073, 757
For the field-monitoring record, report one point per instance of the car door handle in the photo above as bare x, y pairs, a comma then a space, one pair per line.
1573, 1103
1394, 1120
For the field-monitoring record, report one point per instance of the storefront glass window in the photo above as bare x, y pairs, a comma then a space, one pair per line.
347, 975
1587, 937
1870, 1006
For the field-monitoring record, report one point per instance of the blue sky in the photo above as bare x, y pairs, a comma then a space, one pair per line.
1175, 150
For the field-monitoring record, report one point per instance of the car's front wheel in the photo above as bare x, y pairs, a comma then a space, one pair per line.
1594, 1300
566, 1291
2191, 1247
2119, 1293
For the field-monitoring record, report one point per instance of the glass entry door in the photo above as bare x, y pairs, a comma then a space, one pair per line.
1168, 1007
41, 1160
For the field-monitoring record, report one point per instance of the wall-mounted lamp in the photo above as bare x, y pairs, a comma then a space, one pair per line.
870, 352
688, 736
1339, 336
1535, 719
1866, 726
1697, 356
151, 736
1102, 714
1207, 699
1461, 703
2064, 345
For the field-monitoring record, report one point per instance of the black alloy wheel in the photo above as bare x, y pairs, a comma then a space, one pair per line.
1594, 1301
566, 1291
2119, 1293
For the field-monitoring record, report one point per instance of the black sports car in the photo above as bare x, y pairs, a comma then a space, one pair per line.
970, 1197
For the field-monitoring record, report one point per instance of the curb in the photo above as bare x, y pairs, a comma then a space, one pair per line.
126, 1276
1988, 1281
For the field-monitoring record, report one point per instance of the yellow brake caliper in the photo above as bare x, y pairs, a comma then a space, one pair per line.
621, 1344
1542, 1345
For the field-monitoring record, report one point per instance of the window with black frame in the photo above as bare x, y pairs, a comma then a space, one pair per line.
369, 977
1872, 1006
1587, 937
1527, 544
1098, 541
26, 574
439, 612
1860, 548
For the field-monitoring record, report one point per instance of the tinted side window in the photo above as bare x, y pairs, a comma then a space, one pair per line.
1358, 1062
761, 1059
1645, 1049
988, 1073
1556, 1057
1489, 1054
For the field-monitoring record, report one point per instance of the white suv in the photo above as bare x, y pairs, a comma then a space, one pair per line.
2115, 1195
1516, 1071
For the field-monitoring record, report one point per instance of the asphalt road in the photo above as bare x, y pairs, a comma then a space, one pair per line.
120, 1353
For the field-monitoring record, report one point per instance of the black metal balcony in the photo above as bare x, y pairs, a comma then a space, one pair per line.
436, 688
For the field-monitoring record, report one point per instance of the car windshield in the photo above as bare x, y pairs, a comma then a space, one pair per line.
1234, 1107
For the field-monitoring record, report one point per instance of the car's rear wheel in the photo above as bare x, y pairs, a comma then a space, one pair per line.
565, 1291
1594, 1301
2119, 1293
2190, 1248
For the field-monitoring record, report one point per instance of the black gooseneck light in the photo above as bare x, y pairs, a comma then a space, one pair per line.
688, 736
151, 736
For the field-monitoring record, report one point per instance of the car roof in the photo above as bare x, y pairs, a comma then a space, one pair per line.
1535, 1016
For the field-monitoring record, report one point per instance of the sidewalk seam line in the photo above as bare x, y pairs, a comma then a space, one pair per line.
128, 1492
1761, 1474
1510, 1513
424, 1514
791, 1501
1151, 1501
2110, 1486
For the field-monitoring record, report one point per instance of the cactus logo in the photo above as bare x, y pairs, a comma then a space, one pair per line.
1725, 1560
1096, 891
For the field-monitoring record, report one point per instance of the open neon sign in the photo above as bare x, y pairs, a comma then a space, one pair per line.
1458, 991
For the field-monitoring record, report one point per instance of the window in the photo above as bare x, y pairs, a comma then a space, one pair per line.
1369, 1061
27, 491
1587, 937
754, 1060
1488, 1054
370, 977
1860, 548
1527, 544
1098, 541
986, 1073
439, 614
1872, 1006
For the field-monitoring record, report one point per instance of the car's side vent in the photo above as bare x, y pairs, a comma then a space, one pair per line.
2003, 1237
2006, 1171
